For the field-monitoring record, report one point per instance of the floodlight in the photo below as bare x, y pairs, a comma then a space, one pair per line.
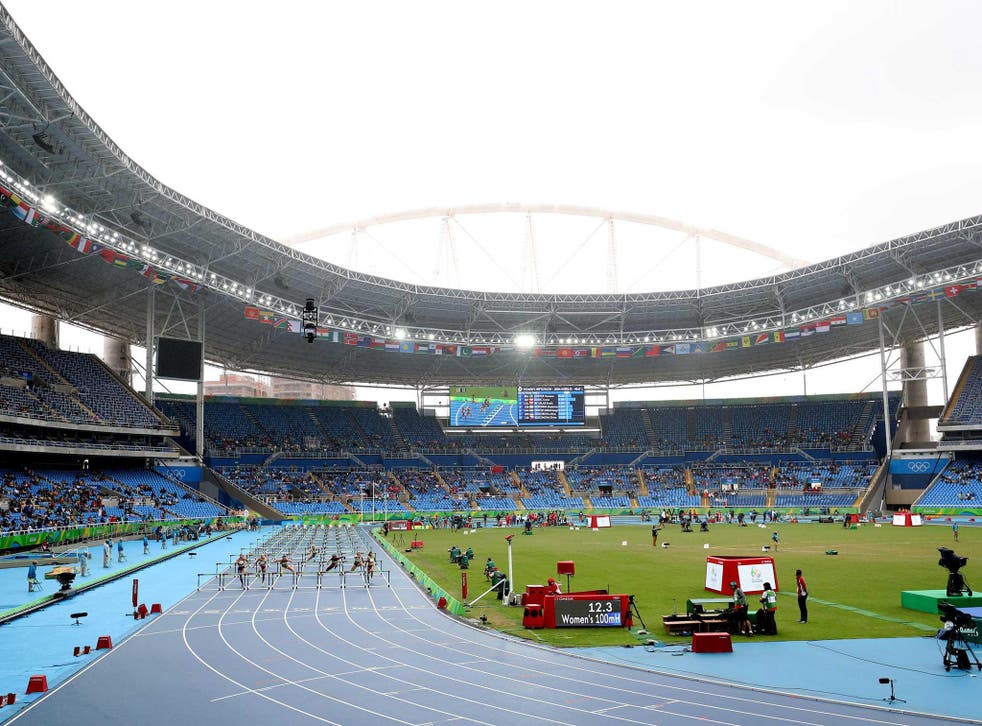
525, 340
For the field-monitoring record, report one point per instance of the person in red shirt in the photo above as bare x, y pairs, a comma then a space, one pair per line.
552, 587
802, 596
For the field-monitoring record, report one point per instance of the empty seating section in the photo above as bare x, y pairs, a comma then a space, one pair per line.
671, 498
98, 389
427, 494
339, 430
709, 428
839, 424
669, 427
708, 477
377, 431
967, 407
64, 386
423, 432
663, 478
495, 504
624, 428
603, 481
831, 475
289, 428
552, 501
540, 480
959, 485
760, 427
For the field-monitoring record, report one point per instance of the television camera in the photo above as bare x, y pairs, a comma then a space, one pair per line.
957, 625
956, 581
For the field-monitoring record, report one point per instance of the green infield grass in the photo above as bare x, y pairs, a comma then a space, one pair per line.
854, 594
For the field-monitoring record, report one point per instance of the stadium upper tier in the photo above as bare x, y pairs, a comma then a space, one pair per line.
311, 429
38, 382
79, 187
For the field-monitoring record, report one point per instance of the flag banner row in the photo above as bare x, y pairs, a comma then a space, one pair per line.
34, 217
583, 352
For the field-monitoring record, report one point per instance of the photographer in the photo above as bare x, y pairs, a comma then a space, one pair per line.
766, 621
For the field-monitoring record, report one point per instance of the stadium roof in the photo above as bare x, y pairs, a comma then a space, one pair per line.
72, 178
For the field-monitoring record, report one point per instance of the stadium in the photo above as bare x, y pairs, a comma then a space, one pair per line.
209, 554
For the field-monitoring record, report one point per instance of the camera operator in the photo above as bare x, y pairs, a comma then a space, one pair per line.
766, 622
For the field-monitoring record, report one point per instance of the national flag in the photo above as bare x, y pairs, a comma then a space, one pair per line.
151, 274
838, 320
407, 347
21, 210
953, 290
792, 334
935, 294
822, 326
745, 341
806, 330
392, 345
350, 338
625, 351
581, 352
778, 336
650, 351
762, 339
564, 352
668, 350
719, 347
732, 344
854, 318
186, 284
294, 326
637, 351
871, 313
544, 352
682, 348
449, 349
252, 313
607, 352
115, 258
480, 350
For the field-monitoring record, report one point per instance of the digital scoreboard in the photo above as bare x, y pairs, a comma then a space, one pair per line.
557, 406
596, 611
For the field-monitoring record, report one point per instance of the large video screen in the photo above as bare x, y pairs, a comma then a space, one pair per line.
511, 406
178, 359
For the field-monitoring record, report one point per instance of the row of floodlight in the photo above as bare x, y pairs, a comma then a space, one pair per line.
227, 286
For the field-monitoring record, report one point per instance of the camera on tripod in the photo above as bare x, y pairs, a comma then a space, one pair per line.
958, 627
956, 581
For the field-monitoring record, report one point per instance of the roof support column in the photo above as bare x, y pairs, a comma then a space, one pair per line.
915, 387
116, 355
883, 381
978, 339
44, 328
148, 391
199, 403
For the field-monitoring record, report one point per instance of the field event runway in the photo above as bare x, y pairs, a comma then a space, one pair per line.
382, 655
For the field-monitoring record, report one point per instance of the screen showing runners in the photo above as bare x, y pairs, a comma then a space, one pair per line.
510, 406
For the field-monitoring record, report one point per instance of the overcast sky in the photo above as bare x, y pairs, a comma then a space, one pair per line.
814, 129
